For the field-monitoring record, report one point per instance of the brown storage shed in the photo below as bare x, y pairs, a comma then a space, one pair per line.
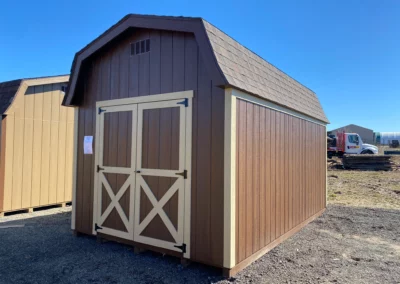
36, 148
201, 149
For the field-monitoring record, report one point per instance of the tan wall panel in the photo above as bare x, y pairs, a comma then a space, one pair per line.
281, 175
70, 114
62, 135
45, 166
69, 161
38, 161
19, 125
26, 190
16, 190
9, 160
37, 145
54, 144
46, 128
54, 130
3, 131
47, 106
27, 162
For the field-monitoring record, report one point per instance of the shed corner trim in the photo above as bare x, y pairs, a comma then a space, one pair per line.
229, 259
75, 168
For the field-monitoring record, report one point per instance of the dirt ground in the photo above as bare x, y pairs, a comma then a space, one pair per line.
372, 189
357, 240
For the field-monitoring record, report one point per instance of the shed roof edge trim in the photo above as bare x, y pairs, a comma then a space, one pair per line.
241, 94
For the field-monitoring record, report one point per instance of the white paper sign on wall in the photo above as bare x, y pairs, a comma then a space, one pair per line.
88, 145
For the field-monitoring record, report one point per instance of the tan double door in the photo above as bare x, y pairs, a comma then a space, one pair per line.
141, 178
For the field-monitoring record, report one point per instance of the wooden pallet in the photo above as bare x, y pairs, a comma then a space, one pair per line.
32, 209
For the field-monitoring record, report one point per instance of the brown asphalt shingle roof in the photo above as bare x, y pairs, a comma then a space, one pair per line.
239, 66
249, 72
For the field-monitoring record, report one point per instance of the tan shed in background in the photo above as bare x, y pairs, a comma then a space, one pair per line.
36, 144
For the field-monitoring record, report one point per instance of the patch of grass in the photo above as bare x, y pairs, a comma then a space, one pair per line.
376, 189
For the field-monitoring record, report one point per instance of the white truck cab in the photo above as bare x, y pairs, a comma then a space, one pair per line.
355, 145
349, 143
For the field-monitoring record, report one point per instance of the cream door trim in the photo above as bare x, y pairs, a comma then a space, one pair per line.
188, 180
146, 99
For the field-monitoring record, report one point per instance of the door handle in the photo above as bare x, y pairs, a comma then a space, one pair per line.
138, 171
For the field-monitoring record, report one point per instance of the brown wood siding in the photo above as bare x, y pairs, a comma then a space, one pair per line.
280, 175
173, 64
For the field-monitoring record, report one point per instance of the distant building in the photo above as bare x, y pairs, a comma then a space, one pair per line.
386, 138
367, 135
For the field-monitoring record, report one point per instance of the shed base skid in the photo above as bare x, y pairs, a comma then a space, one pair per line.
243, 264
32, 209
139, 248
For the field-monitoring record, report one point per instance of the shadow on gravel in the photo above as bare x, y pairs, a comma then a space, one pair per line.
45, 251
344, 245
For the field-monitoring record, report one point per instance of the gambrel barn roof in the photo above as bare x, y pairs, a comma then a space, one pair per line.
9, 89
235, 65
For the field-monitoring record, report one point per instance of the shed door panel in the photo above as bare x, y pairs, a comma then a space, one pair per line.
159, 201
142, 181
115, 181
160, 138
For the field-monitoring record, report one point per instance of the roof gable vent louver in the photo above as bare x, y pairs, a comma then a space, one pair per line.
140, 47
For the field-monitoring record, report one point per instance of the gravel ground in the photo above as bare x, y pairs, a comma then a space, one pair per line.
345, 245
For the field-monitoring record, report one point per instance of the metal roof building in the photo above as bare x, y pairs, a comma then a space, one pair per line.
366, 134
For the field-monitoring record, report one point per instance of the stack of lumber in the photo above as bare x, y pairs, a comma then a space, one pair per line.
392, 152
368, 162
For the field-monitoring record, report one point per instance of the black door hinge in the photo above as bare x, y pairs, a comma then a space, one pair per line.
184, 174
99, 168
185, 102
182, 248
97, 227
101, 110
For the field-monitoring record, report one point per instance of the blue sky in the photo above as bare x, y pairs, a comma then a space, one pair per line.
348, 51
